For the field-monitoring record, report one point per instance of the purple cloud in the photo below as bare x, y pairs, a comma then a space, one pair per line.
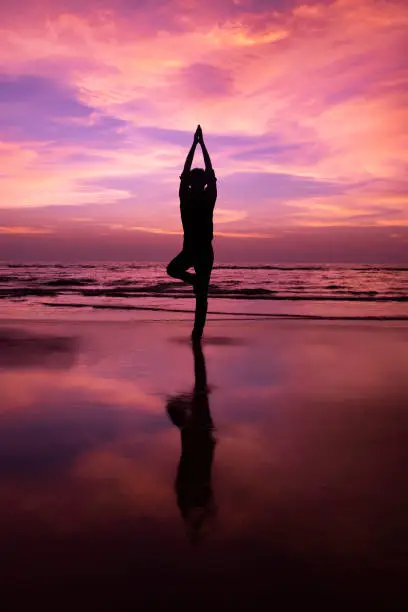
245, 186
206, 81
38, 108
46, 94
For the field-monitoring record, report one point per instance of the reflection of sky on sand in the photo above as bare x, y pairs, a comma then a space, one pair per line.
308, 469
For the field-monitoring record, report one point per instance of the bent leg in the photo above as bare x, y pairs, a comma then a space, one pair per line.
203, 268
178, 267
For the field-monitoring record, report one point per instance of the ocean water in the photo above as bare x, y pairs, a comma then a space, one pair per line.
242, 291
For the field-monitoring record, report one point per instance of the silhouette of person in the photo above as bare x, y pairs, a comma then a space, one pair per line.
198, 194
191, 414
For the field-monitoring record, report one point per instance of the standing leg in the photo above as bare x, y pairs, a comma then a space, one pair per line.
203, 267
178, 267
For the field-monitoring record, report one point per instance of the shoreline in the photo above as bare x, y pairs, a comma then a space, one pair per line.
123, 313
219, 309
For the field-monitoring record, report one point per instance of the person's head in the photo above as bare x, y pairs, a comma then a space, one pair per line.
197, 179
178, 409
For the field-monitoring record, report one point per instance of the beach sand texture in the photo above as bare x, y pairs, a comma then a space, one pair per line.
298, 495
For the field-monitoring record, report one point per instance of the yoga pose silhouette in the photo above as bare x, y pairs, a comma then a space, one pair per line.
198, 194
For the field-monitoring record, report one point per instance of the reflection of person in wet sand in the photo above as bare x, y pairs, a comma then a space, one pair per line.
191, 414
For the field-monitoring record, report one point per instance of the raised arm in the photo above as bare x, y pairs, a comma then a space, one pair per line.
207, 159
190, 155
200, 139
187, 167
211, 178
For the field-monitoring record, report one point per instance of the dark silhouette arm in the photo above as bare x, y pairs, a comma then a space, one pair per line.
211, 178
207, 159
187, 167
189, 158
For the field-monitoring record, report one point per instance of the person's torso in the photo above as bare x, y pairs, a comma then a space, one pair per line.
197, 218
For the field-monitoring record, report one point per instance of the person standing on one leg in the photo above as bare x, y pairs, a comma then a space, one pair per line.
198, 194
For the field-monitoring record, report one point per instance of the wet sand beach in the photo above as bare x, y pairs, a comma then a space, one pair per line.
266, 472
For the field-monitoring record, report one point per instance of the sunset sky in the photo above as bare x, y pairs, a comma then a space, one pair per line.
304, 108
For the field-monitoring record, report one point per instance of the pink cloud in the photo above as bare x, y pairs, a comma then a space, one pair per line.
316, 92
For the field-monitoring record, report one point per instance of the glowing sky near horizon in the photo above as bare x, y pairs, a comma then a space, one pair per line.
304, 107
